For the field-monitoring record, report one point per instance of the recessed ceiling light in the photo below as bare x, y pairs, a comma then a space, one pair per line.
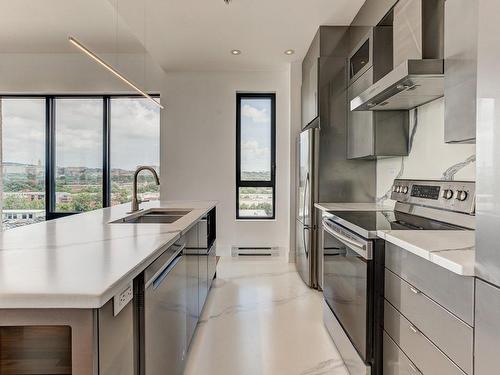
235, 52
289, 52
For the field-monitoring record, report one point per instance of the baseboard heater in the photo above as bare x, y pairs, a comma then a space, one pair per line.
237, 251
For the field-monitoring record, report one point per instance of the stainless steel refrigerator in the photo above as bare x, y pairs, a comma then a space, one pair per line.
305, 232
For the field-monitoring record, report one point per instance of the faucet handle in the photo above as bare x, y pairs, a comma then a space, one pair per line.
144, 201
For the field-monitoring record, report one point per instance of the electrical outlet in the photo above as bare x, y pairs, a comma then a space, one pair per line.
121, 300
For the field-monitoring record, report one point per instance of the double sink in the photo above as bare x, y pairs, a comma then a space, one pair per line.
154, 216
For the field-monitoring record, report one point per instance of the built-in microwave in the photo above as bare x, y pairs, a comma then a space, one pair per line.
361, 57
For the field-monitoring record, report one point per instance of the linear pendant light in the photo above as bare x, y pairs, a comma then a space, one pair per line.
92, 55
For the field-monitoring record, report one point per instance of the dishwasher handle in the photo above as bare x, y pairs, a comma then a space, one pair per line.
164, 270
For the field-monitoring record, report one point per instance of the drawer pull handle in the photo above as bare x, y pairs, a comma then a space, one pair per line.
413, 328
414, 369
415, 290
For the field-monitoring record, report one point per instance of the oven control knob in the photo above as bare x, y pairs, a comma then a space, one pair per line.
461, 195
404, 190
448, 194
398, 189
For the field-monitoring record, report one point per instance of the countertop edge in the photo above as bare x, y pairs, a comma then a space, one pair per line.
433, 256
95, 301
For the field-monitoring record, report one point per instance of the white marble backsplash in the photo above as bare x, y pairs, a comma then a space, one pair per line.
430, 157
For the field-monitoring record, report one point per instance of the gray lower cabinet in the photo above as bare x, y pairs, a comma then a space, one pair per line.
426, 356
202, 278
192, 293
395, 361
487, 329
452, 291
427, 311
448, 332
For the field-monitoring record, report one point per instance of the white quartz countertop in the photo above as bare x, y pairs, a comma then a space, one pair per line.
82, 261
450, 249
353, 206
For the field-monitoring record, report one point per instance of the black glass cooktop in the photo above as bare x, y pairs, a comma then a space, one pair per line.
371, 221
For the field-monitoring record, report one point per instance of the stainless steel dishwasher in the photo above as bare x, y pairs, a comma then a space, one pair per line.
165, 307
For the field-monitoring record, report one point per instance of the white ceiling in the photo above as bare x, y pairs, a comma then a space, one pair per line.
199, 34
43, 26
182, 35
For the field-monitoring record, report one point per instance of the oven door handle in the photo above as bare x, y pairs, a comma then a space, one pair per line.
364, 250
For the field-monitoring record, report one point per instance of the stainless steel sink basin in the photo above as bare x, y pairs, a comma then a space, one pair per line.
157, 216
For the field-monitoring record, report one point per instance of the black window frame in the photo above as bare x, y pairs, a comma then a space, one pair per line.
255, 183
50, 145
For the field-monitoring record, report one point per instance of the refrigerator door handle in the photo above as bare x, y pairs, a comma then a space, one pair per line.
304, 229
305, 195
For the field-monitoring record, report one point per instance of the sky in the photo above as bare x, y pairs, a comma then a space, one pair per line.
134, 132
255, 135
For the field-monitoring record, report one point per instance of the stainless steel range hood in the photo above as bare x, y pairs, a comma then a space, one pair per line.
409, 85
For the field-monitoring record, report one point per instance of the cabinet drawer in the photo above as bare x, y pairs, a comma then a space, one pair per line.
395, 361
422, 352
450, 334
452, 291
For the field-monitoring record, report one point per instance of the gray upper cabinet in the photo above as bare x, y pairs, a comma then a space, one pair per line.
309, 90
327, 42
460, 72
371, 134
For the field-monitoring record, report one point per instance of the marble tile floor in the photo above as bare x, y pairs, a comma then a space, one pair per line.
260, 319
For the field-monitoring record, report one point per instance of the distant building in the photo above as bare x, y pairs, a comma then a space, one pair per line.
18, 218
22, 214
250, 213
30, 195
63, 197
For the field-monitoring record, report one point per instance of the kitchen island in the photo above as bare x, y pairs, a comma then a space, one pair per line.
73, 288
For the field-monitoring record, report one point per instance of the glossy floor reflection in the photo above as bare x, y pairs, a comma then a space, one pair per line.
260, 318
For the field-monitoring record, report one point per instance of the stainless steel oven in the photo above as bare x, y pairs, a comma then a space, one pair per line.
349, 285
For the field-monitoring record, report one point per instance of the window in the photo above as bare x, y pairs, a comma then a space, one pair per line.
255, 156
23, 157
135, 134
67, 154
78, 154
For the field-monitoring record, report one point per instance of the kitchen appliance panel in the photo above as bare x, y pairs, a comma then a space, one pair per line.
305, 174
352, 360
302, 252
426, 356
165, 317
212, 263
347, 277
191, 293
361, 58
202, 279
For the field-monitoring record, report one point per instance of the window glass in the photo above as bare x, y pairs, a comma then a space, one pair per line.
255, 139
135, 141
23, 160
255, 156
79, 152
255, 201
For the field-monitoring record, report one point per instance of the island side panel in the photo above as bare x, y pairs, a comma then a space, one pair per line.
80, 321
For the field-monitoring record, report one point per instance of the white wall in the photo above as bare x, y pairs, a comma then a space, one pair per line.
198, 157
76, 73
430, 157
